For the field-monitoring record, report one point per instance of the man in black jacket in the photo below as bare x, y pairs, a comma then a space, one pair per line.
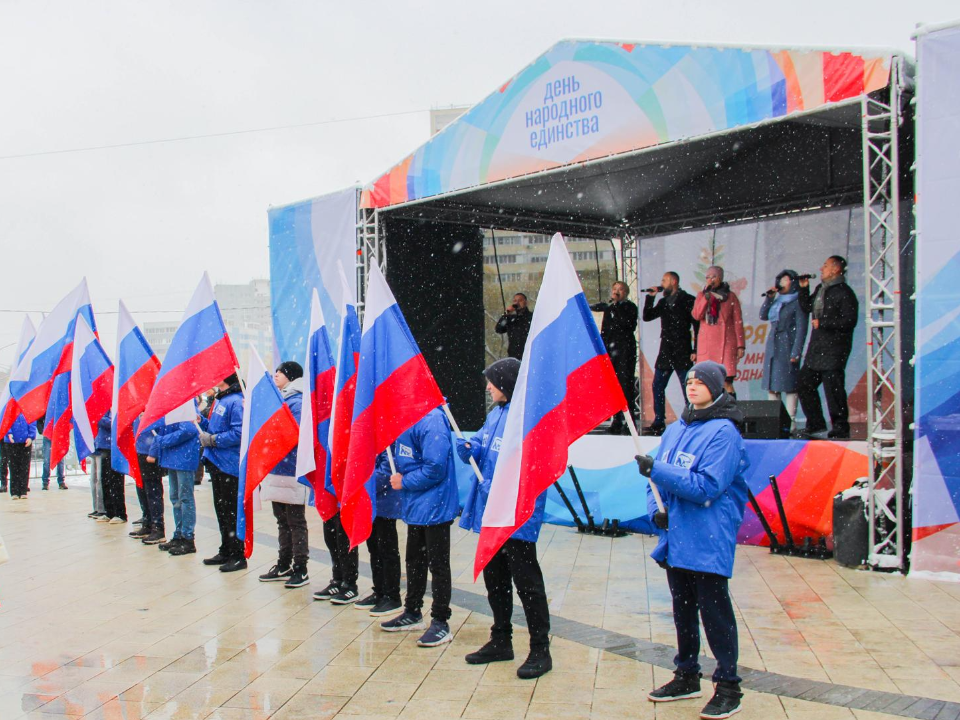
619, 333
677, 351
834, 312
515, 322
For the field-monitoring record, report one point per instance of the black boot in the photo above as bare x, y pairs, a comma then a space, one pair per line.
496, 650
217, 559
725, 701
538, 663
183, 547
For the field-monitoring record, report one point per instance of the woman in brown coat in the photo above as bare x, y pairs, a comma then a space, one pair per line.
720, 338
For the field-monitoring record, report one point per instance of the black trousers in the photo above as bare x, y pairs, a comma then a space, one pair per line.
834, 388
384, 548
346, 562
625, 366
292, 535
151, 494
225, 491
708, 596
4, 465
428, 546
17, 456
114, 500
516, 564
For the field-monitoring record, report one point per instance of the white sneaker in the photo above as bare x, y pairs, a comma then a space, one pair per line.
117, 521
103, 518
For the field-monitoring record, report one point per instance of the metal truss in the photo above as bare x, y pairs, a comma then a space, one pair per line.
370, 248
885, 422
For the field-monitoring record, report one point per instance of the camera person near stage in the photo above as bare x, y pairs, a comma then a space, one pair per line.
834, 312
678, 331
619, 333
515, 323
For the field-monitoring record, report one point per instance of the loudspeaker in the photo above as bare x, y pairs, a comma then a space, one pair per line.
764, 419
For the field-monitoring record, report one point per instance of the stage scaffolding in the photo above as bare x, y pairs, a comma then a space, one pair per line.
370, 247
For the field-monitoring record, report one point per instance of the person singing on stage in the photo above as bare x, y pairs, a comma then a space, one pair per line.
676, 349
720, 337
515, 322
619, 333
788, 331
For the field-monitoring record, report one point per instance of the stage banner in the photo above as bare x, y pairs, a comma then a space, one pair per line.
752, 254
583, 100
936, 460
306, 241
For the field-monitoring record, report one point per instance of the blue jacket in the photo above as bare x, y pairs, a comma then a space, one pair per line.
293, 399
21, 431
102, 441
177, 446
424, 456
389, 501
225, 424
699, 472
485, 449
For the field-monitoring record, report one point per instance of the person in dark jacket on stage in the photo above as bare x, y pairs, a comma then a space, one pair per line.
515, 322
677, 332
515, 564
788, 332
619, 333
699, 471
834, 311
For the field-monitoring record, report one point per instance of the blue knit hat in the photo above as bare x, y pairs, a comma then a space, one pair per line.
712, 374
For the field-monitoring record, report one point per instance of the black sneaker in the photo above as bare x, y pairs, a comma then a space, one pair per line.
170, 544
217, 559
154, 538
298, 578
63, 486
183, 547
724, 703
493, 651
538, 663
386, 606
680, 688
367, 603
437, 634
234, 565
45, 486
405, 621
139, 533
93, 515
332, 589
839, 434
278, 573
346, 596
141, 522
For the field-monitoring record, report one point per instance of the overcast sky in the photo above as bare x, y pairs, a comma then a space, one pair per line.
142, 222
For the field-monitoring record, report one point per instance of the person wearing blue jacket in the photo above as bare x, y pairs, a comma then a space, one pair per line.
17, 447
429, 500
220, 436
152, 530
176, 449
699, 472
516, 562
384, 548
114, 499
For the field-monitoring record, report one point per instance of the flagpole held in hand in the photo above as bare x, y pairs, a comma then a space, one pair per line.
456, 429
636, 443
393, 467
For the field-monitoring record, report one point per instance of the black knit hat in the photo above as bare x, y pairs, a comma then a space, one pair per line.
503, 375
291, 369
232, 379
712, 374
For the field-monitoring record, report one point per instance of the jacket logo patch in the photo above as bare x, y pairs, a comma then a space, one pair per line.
220, 410
404, 451
684, 460
496, 445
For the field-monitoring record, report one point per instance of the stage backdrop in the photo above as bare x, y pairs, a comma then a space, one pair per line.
752, 254
936, 473
306, 240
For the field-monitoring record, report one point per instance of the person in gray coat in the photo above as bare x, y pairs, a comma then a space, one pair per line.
788, 332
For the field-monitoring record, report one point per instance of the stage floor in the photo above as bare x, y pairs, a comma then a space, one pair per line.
95, 625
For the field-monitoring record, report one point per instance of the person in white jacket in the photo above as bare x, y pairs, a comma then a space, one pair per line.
289, 497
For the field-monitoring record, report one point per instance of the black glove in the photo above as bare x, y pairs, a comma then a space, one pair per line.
645, 463
660, 520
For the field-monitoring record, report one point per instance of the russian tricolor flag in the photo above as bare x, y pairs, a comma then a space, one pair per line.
313, 451
200, 357
395, 390
136, 372
269, 433
345, 387
91, 387
565, 388
9, 410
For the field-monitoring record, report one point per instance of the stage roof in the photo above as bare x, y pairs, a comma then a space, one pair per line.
587, 136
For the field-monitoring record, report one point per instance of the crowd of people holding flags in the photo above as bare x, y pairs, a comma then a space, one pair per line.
367, 439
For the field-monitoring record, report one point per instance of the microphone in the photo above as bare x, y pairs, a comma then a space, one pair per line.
658, 288
806, 277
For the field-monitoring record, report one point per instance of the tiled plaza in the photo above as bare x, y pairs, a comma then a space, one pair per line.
96, 625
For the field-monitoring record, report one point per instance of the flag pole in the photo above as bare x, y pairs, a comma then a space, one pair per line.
393, 467
456, 429
636, 443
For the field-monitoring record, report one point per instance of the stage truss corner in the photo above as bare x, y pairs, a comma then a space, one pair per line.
370, 248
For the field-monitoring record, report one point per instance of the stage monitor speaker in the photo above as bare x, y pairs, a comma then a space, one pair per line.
764, 419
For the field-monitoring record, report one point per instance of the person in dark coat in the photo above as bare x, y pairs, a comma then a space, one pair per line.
515, 322
619, 333
834, 312
677, 330
788, 332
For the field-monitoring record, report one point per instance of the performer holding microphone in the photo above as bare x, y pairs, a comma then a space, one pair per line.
618, 330
515, 322
788, 331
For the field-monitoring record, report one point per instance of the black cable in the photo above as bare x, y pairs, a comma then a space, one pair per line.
496, 259
613, 249
596, 254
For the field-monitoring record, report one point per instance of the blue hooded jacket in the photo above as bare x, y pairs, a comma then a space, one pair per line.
104, 430
389, 501
225, 424
485, 449
424, 456
21, 431
699, 472
177, 446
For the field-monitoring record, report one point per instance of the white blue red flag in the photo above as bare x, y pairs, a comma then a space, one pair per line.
9, 410
269, 433
395, 390
313, 450
136, 371
50, 355
565, 388
91, 387
200, 357
345, 387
